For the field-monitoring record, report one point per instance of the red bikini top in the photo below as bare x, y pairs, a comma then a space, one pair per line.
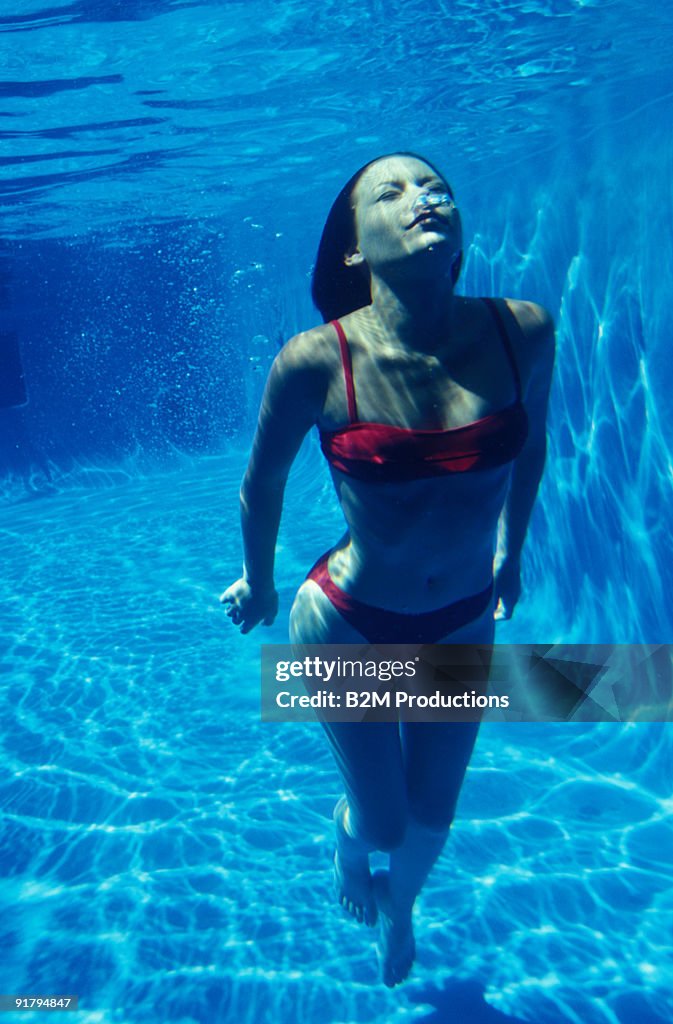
380, 452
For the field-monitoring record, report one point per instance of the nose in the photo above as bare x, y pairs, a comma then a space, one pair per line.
428, 200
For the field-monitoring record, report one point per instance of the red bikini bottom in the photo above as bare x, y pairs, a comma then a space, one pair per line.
381, 626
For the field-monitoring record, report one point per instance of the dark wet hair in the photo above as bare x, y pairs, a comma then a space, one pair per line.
337, 289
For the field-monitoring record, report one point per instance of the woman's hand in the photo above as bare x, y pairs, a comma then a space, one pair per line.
507, 586
246, 607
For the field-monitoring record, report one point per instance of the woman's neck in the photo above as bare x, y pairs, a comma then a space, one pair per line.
419, 313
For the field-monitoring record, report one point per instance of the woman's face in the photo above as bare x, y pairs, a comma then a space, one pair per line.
389, 227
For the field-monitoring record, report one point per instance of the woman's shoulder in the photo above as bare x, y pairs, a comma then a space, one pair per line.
534, 345
312, 352
530, 329
530, 332
534, 321
521, 317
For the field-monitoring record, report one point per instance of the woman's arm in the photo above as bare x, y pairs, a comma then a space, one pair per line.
538, 329
293, 398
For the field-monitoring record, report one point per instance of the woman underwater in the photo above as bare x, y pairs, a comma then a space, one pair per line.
431, 410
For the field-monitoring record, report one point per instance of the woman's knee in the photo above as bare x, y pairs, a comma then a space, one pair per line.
437, 758
433, 818
435, 809
383, 833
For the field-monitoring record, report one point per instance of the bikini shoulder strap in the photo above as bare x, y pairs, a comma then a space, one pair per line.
502, 331
347, 364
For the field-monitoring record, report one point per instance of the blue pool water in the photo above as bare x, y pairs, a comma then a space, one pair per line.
166, 168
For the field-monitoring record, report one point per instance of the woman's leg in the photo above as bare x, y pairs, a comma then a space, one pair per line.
436, 756
368, 756
373, 814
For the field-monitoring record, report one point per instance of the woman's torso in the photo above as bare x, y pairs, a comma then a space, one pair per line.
422, 543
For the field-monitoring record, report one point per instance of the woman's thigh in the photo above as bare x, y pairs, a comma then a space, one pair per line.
315, 620
390, 770
369, 758
480, 631
368, 755
436, 754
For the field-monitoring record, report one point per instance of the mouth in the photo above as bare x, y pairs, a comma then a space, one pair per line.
428, 217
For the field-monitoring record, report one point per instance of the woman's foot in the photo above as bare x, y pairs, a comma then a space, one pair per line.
352, 878
396, 947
